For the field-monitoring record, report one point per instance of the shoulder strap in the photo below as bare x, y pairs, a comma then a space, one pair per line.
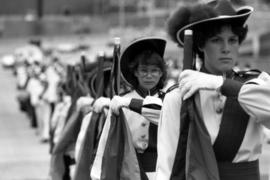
161, 94
233, 124
172, 87
249, 74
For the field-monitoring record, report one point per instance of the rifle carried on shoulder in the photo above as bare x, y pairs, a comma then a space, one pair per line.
89, 145
195, 156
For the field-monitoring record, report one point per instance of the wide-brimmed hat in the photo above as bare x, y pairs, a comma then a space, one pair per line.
137, 46
190, 17
92, 78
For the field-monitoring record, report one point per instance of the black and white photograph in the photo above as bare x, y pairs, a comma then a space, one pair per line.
135, 90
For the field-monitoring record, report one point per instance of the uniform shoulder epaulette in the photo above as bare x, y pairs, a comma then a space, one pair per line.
161, 94
172, 87
248, 74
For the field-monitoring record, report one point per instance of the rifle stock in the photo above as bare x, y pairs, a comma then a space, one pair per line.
188, 61
115, 72
179, 167
194, 137
83, 60
100, 75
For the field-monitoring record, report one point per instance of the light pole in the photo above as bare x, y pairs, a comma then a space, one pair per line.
39, 9
38, 22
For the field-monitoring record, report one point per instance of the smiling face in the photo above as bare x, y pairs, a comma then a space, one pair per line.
221, 51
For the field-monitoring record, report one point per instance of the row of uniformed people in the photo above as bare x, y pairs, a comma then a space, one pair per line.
26, 66
54, 101
144, 69
79, 88
218, 32
37, 78
231, 105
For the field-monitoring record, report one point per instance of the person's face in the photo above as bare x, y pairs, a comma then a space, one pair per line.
221, 51
148, 76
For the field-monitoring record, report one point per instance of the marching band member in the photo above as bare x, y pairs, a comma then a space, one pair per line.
233, 107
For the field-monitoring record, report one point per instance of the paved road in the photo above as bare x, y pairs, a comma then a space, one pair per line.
22, 155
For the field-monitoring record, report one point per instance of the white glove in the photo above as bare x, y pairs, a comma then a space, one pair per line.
101, 103
191, 81
83, 102
117, 102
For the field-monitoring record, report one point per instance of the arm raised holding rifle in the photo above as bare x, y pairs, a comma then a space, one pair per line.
218, 102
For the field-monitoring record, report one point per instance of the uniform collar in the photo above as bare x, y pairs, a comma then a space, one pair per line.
229, 74
142, 92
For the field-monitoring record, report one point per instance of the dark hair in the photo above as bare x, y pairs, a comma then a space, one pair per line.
150, 57
203, 32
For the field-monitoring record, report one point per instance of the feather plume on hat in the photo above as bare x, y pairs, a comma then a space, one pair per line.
179, 18
193, 16
185, 15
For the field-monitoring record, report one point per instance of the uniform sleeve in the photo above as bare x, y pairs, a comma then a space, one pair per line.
149, 107
254, 97
168, 134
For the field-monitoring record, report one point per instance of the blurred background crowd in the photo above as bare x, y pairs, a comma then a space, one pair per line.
68, 24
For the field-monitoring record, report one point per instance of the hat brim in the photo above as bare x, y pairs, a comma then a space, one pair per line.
240, 18
92, 83
132, 50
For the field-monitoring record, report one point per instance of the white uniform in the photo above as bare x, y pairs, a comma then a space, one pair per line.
139, 128
254, 98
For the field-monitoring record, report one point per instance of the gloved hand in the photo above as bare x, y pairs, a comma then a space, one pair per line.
84, 102
191, 81
100, 103
117, 102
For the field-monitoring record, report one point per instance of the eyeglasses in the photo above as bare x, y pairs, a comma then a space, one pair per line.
154, 72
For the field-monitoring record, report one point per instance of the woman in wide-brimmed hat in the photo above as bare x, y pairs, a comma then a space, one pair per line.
232, 107
143, 69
